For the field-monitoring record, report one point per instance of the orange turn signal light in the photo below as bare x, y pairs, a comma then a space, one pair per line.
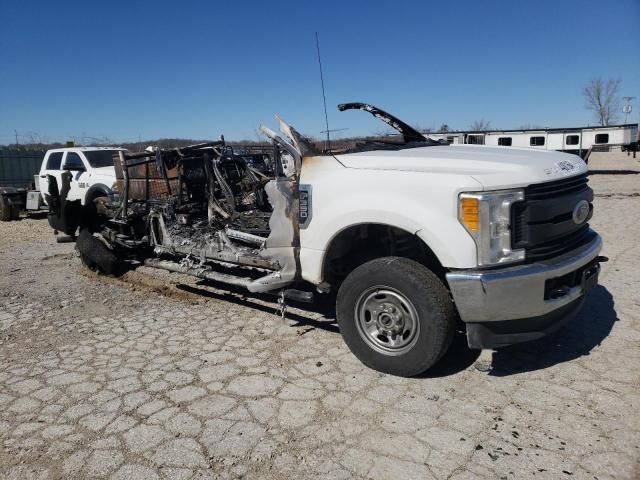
470, 213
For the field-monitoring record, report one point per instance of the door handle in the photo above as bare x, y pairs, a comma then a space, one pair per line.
43, 176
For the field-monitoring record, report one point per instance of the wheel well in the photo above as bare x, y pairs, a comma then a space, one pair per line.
96, 191
360, 243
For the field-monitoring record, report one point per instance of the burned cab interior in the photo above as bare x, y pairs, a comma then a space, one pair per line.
204, 209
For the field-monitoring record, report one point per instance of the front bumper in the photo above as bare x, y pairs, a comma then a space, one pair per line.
524, 302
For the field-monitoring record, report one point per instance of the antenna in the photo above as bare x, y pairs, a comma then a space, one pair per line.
324, 98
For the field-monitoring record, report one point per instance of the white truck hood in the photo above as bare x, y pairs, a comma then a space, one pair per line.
493, 167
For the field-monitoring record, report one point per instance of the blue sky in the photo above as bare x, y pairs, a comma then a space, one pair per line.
130, 69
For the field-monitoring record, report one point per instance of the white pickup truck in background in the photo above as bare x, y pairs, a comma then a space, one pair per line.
92, 176
92, 171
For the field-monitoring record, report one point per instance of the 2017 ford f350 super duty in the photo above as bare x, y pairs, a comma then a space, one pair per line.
410, 235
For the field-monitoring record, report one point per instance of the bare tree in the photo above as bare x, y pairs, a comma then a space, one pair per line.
33, 139
444, 128
480, 125
384, 132
421, 128
603, 97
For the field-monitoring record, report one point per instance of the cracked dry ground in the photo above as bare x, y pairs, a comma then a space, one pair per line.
157, 376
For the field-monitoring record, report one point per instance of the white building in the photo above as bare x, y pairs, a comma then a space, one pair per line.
573, 140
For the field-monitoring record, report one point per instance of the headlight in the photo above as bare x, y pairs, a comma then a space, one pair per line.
487, 218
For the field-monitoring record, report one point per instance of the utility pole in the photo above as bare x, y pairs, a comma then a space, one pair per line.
16, 132
627, 107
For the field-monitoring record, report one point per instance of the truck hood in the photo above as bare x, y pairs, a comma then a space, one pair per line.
493, 167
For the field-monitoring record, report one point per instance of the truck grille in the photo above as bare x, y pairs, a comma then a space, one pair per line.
543, 223
557, 187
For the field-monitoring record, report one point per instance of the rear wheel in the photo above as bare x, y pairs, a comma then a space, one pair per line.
395, 316
9, 210
6, 213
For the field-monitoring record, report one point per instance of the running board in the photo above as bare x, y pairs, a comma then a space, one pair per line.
198, 272
207, 274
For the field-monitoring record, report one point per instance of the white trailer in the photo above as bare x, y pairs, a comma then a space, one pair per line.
577, 140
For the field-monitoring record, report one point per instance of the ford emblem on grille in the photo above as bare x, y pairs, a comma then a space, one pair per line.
580, 212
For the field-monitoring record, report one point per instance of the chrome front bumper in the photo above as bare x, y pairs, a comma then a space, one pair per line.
517, 292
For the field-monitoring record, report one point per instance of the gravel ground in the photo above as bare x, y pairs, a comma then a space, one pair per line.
160, 376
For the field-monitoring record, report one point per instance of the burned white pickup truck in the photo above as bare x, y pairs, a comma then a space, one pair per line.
410, 235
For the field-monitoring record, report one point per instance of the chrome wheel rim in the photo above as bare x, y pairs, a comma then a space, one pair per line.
387, 320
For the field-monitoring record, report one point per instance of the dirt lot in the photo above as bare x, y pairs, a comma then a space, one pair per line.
159, 376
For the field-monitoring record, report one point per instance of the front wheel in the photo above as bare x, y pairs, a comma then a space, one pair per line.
95, 255
8, 210
6, 213
395, 316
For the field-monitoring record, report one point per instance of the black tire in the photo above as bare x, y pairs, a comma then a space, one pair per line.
96, 256
428, 298
93, 195
6, 213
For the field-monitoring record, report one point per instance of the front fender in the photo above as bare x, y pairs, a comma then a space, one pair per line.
419, 203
